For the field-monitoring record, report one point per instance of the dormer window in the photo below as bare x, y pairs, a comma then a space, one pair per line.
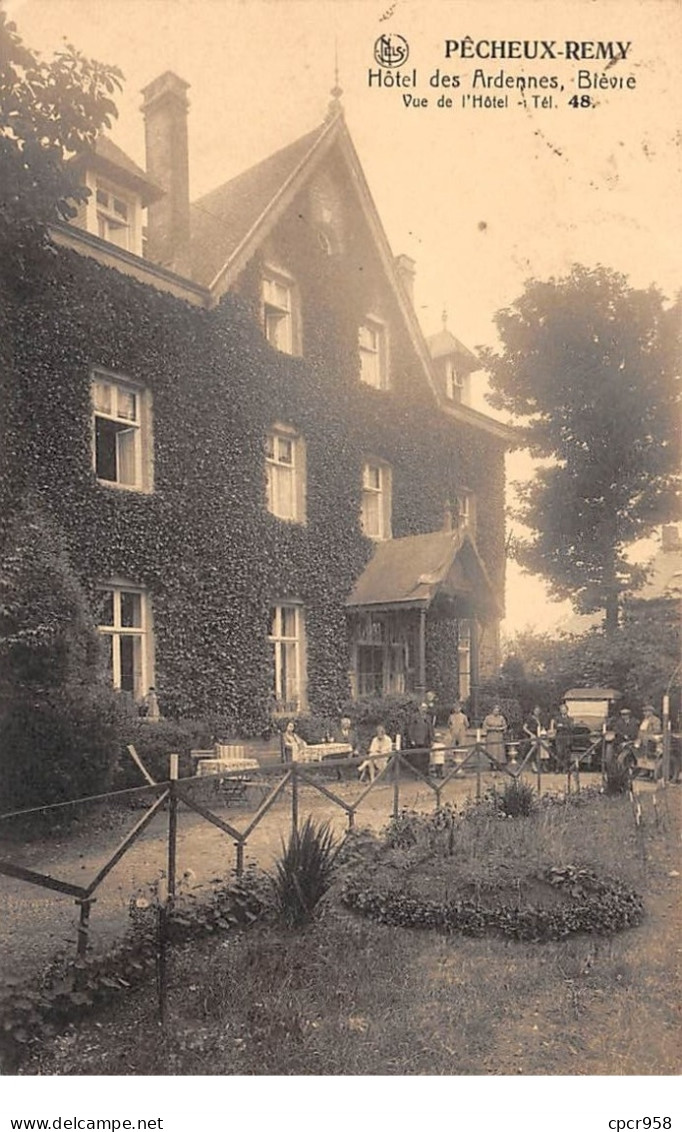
454, 381
278, 311
373, 354
113, 218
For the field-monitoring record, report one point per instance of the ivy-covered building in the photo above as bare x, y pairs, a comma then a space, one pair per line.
273, 486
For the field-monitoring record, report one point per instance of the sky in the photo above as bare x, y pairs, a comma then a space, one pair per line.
482, 199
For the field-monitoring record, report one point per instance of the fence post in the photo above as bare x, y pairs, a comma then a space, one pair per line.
665, 766
478, 750
172, 827
294, 798
167, 899
538, 756
396, 785
83, 931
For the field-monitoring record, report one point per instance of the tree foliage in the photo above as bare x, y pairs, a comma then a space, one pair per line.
60, 720
640, 659
49, 111
593, 366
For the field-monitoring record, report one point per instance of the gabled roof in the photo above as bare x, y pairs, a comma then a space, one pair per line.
410, 572
444, 343
665, 579
110, 160
229, 224
222, 218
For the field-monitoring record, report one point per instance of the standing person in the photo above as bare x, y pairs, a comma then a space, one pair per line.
649, 728
150, 706
379, 750
495, 726
458, 725
561, 728
431, 701
419, 739
437, 757
534, 728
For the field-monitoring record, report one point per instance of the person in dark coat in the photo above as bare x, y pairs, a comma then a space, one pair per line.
419, 739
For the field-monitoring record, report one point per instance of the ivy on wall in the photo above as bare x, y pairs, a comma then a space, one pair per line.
211, 557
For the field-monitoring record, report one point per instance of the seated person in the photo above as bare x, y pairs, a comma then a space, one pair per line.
292, 743
379, 750
347, 734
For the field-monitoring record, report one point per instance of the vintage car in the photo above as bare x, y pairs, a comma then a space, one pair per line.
590, 709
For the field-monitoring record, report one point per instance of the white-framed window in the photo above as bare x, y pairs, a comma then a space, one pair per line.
116, 216
454, 381
285, 473
376, 499
126, 623
122, 453
464, 659
372, 343
287, 638
278, 298
466, 511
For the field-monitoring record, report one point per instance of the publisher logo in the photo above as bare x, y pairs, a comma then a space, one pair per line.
391, 50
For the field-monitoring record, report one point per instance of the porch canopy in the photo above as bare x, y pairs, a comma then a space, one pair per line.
411, 572
442, 571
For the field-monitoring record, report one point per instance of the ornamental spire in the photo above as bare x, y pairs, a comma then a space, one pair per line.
335, 106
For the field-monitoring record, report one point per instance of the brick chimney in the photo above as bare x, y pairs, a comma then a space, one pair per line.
670, 538
165, 109
405, 266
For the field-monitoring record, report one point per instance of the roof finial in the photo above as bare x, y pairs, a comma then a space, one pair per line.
336, 91
444, 318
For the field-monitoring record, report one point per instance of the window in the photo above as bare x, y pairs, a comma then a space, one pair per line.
114, 217
382, 648
285, 472
464, 659
454, 381
125, 620
287, 636
373, 354
121, 440
278, 312
466, 511
376, 500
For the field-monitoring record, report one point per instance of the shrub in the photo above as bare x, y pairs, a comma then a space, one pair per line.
495, 693
304, 872
393, 711
518, 799
61, 723
618, 777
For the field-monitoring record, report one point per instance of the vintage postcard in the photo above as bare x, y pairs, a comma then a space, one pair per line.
308, 309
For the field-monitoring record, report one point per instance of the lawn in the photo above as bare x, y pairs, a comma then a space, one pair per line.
348, 995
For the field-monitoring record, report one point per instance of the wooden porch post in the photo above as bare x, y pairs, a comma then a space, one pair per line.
421, 660
475, 636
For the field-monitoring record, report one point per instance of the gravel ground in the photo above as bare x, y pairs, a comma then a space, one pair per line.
38, 922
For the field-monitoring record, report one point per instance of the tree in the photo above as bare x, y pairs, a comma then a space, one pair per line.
593, 366
60, 720
640, 659
49, 111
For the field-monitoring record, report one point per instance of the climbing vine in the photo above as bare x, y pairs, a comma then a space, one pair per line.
202, 543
